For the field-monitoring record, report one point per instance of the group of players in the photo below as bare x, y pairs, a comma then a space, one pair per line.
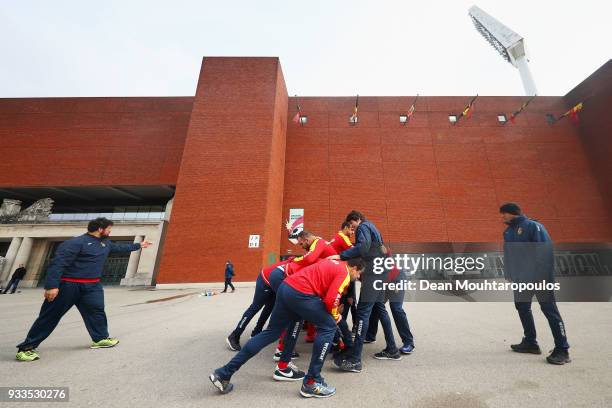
318, 288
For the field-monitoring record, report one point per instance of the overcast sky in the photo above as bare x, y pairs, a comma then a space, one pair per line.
326, 47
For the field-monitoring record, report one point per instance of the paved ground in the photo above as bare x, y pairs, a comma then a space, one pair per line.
168, 348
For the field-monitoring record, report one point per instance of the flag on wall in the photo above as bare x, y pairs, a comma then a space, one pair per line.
522, 108
353, 117
412, 109
572, 114
467, 111
296, 118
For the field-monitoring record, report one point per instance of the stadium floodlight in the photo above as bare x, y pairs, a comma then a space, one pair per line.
506, 42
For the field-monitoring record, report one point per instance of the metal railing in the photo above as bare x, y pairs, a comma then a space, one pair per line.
131, 216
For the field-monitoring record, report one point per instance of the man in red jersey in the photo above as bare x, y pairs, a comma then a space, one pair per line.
263, 298
317, 249
312, 294
268, 282
340, 242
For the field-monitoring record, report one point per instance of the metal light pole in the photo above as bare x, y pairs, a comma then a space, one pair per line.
507, 43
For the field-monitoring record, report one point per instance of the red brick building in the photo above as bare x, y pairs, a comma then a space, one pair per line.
239, 163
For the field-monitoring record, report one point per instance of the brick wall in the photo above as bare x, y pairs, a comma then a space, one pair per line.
240, 163
431, 181
230, 183
595, 125
91, 141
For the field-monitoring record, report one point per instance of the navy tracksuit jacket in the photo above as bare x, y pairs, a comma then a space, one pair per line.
528, 257
367, 246
81, 257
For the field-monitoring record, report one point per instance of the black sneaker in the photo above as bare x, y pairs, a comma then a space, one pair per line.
233, 342
558, 357
524, 347
387, 355
368, 341
351, 366
224, 386
291, 373
342, 355
278, 354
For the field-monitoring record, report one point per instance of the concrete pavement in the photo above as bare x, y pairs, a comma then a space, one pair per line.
169, 347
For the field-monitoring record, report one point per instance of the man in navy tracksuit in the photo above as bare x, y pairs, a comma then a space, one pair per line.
229, 274
528, 258
396, 303
368, 245
311, 294
73, 279
18, 275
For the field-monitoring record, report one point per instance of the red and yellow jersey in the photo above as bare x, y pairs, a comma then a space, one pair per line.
318, 250
327, 279
265, 272
340, 242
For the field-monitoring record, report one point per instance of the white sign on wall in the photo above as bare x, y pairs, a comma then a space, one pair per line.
253, 241
295, 224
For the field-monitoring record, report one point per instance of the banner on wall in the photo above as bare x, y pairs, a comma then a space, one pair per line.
295, 224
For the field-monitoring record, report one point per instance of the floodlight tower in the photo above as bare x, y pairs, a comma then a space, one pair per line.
509, 44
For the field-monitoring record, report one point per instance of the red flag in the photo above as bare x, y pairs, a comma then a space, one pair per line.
412, 108
298, 115
523, 106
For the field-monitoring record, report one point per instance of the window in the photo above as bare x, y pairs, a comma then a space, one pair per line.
452, 119
403, 119
353, 119
501, 118
303, 120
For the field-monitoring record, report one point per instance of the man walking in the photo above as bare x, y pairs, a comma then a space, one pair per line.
17, 276
229, 274
313, 294
73, 279
528, 258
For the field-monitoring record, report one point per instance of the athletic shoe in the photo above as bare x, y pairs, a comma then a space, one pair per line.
104, 343
27, 355
558, 357
337, 348
224, 386
345, 354
278, 354
524, 347
233, 343
351, 366
368, 341
317, 390
291, 373
407, 349
386, 355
